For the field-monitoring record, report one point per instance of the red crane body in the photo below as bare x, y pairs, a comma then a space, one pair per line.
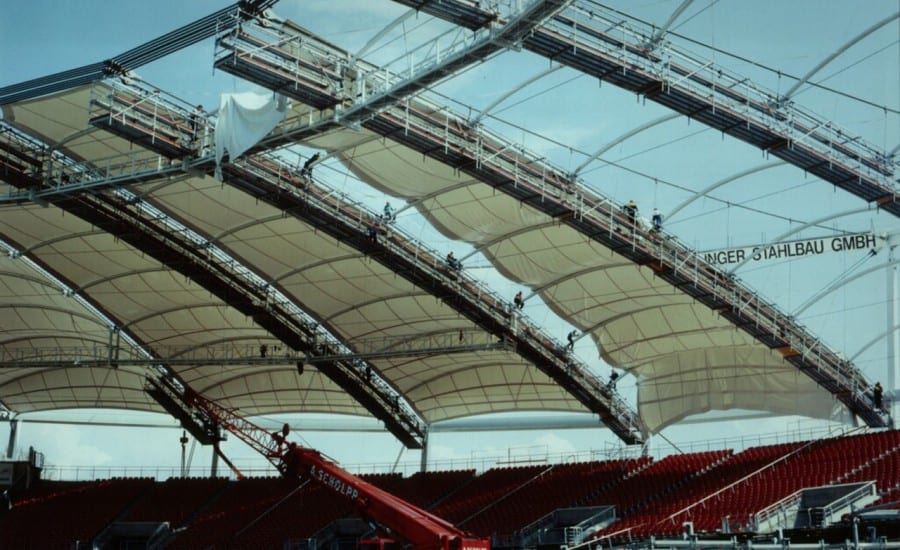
413, 525
422, 529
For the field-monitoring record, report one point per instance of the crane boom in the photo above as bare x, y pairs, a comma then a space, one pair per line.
424, 530
420, 528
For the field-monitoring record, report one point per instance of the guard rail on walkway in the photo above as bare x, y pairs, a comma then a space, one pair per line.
610, 45
434, 131
145, 227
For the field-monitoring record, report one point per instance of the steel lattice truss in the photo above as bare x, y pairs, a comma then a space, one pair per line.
204, 280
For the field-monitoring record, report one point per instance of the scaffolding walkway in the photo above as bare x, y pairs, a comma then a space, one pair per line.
116, 355
150, 118
304, 67
136, 222
466, 14
38, 173
280, 184
434, 131
613, 47
276, 182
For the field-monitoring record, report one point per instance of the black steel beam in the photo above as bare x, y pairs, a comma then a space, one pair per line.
465, 14
545, 41
116, 217
430, 274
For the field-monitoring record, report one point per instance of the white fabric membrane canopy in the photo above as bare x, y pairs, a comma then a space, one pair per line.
686, 358
358, 298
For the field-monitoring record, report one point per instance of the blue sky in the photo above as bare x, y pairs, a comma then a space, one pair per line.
566, 116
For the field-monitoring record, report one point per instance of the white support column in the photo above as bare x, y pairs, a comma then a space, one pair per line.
423, 464
893, 341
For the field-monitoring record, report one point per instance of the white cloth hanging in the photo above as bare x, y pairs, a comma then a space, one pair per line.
243, 120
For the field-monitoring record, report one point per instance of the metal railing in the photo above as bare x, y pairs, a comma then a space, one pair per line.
594, 35
777, 511
829, 510
354, 213
614, 34
421, 121
147, 219
301, 56
162, 116
59, 174
489, 151
493, 152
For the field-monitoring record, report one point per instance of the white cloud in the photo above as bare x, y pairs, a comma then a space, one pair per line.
66, 445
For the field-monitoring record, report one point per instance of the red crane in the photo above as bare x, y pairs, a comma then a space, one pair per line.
395, 517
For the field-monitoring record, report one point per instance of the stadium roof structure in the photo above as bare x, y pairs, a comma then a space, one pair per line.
265, 291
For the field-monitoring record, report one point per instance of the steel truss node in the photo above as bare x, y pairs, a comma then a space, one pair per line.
105, 357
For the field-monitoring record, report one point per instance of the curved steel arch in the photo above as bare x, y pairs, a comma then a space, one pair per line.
183, 307
511, 234
588, 331
402, 324
443, 191
510, 404
658, 35
850, 43
326, 261
375, 300
161, 183
42, 281
256, 370
720, 366
74, 135
59, 384
254, 393
704, 409
801, 227
122, 275
838, 284
576, 274
468, 368
704, 192
63, 238
56, 309
64, 336
387, 28
49, 389
874, 341
439, 192
516, 89
336, 152
625, 314
252, 223
652, 358
627, 135
687, 301
671, 334
679, 373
